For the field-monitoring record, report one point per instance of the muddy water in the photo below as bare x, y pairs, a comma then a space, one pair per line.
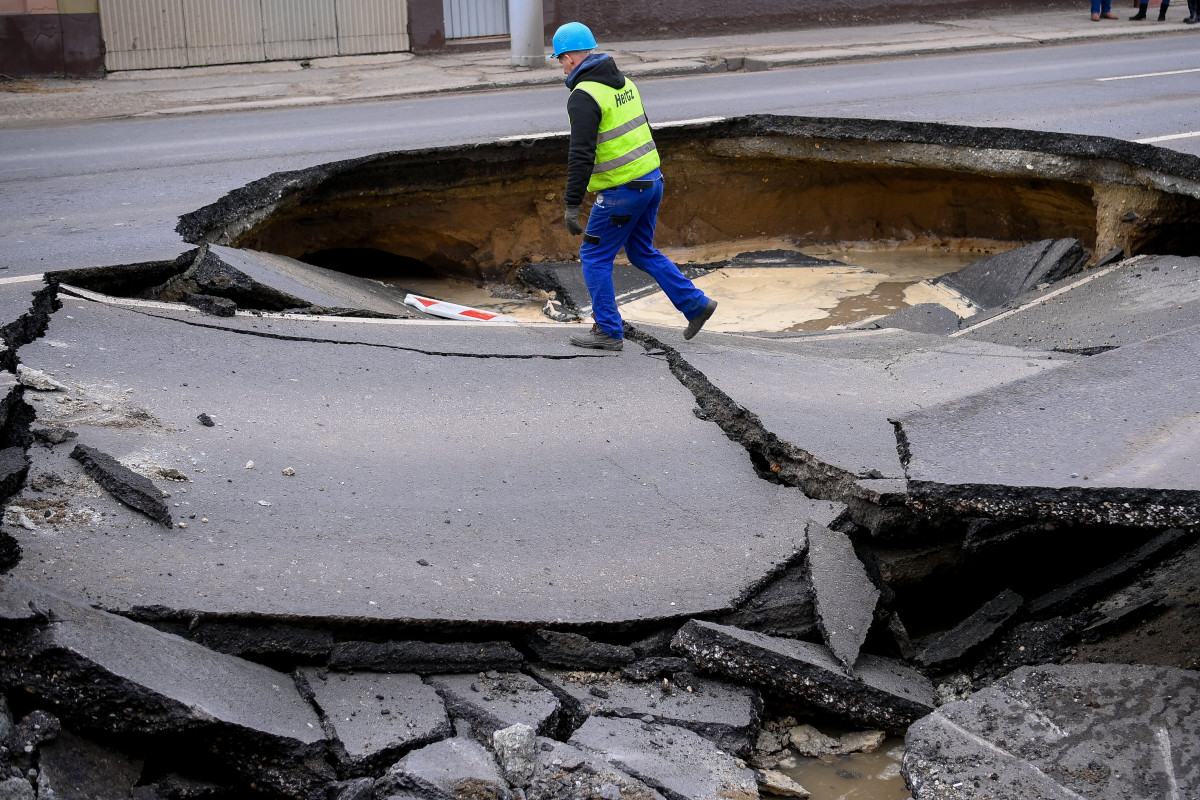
858, 776
877, 278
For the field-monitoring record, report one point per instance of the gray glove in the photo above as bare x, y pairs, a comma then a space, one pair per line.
572, 218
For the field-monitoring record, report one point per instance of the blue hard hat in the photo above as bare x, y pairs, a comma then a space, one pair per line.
571, 37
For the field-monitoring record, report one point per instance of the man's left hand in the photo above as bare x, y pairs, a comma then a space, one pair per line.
572, 219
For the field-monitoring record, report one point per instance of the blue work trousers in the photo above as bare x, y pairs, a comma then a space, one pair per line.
624, 216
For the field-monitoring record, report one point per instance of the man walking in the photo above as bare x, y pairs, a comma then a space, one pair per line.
612, 153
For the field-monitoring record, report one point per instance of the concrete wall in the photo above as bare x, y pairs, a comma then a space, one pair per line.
50, 38
655, 19
631, 20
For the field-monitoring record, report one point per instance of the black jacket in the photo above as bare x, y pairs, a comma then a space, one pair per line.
585, 121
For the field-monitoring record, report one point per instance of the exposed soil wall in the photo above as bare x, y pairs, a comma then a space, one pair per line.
480, 212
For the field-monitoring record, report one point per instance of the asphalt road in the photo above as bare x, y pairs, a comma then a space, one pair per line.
109, 193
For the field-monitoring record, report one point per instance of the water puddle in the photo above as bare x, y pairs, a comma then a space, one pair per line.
873, 279
857, 776
878, 278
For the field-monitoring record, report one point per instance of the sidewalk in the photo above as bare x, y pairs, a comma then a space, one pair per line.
31, 103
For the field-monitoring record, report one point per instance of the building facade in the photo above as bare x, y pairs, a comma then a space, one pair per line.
86, 38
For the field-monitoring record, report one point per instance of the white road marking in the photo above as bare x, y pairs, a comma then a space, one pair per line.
1036, 301
1149, 75
1153, 139
674, 123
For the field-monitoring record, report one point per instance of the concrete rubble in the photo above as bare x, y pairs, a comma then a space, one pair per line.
306, 542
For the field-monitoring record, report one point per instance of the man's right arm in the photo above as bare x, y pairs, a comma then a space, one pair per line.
584, 112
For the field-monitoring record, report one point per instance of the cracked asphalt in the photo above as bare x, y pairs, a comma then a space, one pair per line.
503, 487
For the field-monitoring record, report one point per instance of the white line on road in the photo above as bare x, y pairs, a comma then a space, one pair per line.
1038, 300
1153, 139
1151, 74
672, 124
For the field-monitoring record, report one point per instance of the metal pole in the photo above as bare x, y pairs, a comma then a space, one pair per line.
525, 28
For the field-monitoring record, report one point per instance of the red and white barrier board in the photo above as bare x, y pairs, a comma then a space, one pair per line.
440, 308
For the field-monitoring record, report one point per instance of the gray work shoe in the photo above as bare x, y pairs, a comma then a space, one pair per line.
696, 324
597, 340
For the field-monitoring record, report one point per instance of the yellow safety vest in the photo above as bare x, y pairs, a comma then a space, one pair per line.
625, 149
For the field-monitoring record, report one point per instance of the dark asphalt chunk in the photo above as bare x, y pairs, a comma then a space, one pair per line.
784, 607
844, 595
211, 304
73, 768
724, 713
375, 717
492, 701
883, 693
425, 657
126, 678
451, 768
994, 280
265, 642
920, 318
576, 651
678, 763
1063, 732
569, 772
14, 467
134, 490
943, 650
647, 669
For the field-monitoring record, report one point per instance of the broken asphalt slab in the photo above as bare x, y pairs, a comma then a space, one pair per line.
819, 405
374, 718
678, 763
114, 675
1101, 308
844, 596
724, 713
1063, 733
880, 692
492, 701
316, 286
566, 771
943, 650
444, 474
995, 280
445, 770
1108, 439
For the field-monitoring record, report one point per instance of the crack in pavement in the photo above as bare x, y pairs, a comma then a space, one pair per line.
320, 340
784, 461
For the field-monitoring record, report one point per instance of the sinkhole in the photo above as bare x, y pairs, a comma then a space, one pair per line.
899, 201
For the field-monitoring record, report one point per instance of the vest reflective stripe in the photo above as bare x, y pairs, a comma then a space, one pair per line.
620, 161
625, 149
621, 130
